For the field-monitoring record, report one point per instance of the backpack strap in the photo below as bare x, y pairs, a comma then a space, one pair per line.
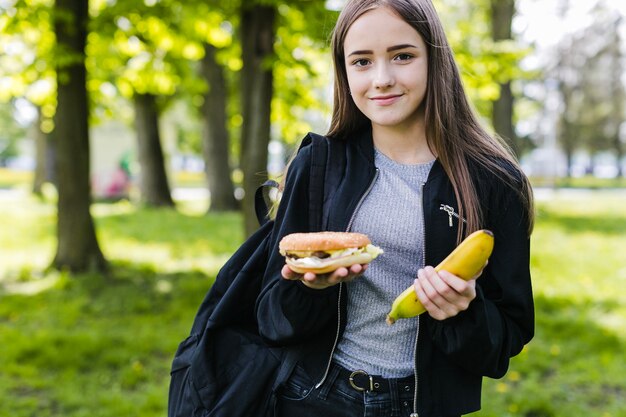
317, 179
319, 162
262, 201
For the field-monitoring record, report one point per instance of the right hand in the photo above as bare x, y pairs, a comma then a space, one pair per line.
321, 281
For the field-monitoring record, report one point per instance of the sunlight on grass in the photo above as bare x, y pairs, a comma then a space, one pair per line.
574, 364
578, 253
12, 177
27, 238
34, 286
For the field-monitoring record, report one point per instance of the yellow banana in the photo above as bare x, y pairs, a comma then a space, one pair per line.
465, 262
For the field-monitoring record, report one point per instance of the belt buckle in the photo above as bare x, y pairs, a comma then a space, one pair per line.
361, 372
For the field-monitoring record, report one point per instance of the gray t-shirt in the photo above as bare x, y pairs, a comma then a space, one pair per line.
391, 215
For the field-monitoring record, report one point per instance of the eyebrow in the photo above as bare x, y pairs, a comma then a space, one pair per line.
390, 49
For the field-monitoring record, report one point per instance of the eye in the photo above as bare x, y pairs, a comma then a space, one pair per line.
403, 57
361, 62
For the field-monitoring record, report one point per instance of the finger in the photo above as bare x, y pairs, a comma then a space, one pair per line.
446, 299
338, 273
431, 296
436, 289
432, 308
461, 292
461, 287
357, 269
311, 277
345, 274
287, 273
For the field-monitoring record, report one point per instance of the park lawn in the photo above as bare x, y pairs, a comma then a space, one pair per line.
10, 178
574, 366
93, 345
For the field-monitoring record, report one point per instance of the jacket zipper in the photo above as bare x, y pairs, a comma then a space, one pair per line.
417, 335
451, 213
330, 357
414, 413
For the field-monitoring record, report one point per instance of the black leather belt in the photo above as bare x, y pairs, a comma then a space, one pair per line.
362, 381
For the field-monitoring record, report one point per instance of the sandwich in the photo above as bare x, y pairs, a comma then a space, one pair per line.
324, 252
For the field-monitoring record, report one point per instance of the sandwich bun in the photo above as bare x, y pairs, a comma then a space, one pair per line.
323, 252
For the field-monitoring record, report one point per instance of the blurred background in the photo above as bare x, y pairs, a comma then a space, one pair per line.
134, 133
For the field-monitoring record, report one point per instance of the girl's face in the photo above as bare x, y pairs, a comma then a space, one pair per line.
387, 67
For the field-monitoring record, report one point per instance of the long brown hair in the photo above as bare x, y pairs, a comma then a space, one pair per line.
453, 130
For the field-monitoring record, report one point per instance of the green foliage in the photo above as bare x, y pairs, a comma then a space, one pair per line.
27, 56
138, 46
92, 345
302, 73
483, 62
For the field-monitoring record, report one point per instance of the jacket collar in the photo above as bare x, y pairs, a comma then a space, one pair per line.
364, 143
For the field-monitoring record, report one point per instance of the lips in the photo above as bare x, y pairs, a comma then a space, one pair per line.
386, 100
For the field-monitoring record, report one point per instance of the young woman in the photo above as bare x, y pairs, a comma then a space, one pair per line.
410, 166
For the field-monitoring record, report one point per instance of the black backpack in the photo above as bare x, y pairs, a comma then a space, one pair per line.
212, 374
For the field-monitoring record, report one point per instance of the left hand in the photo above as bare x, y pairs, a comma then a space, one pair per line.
443, 294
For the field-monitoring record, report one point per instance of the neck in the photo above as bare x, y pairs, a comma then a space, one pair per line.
406, 146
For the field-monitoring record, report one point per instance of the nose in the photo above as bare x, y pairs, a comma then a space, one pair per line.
383, 77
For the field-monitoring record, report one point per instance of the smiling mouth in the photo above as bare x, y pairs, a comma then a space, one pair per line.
386, 100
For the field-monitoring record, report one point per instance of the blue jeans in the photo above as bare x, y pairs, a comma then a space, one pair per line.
337, 398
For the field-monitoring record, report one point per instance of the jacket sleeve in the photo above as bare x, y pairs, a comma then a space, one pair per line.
500, 320
288, 311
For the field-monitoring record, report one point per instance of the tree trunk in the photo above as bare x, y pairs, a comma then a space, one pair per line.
569, 160
44, 157
502, 12
618, 148
618, 95
153, 185
78, 248
566, 133
215, 137
257, 43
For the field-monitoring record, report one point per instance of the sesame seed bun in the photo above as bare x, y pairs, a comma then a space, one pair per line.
322, 241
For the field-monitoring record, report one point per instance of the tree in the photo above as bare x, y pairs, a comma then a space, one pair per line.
154, 186
135, 50
282, 83
258, 30
213, 29
44, 155
618, 94
78, 248
502, 12
480, 35
588, 69
215, 134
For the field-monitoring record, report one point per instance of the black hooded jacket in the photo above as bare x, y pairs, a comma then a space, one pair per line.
452, 355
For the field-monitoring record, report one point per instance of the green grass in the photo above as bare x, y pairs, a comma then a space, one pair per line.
12, 178
91, 345
587, 181
574, 366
